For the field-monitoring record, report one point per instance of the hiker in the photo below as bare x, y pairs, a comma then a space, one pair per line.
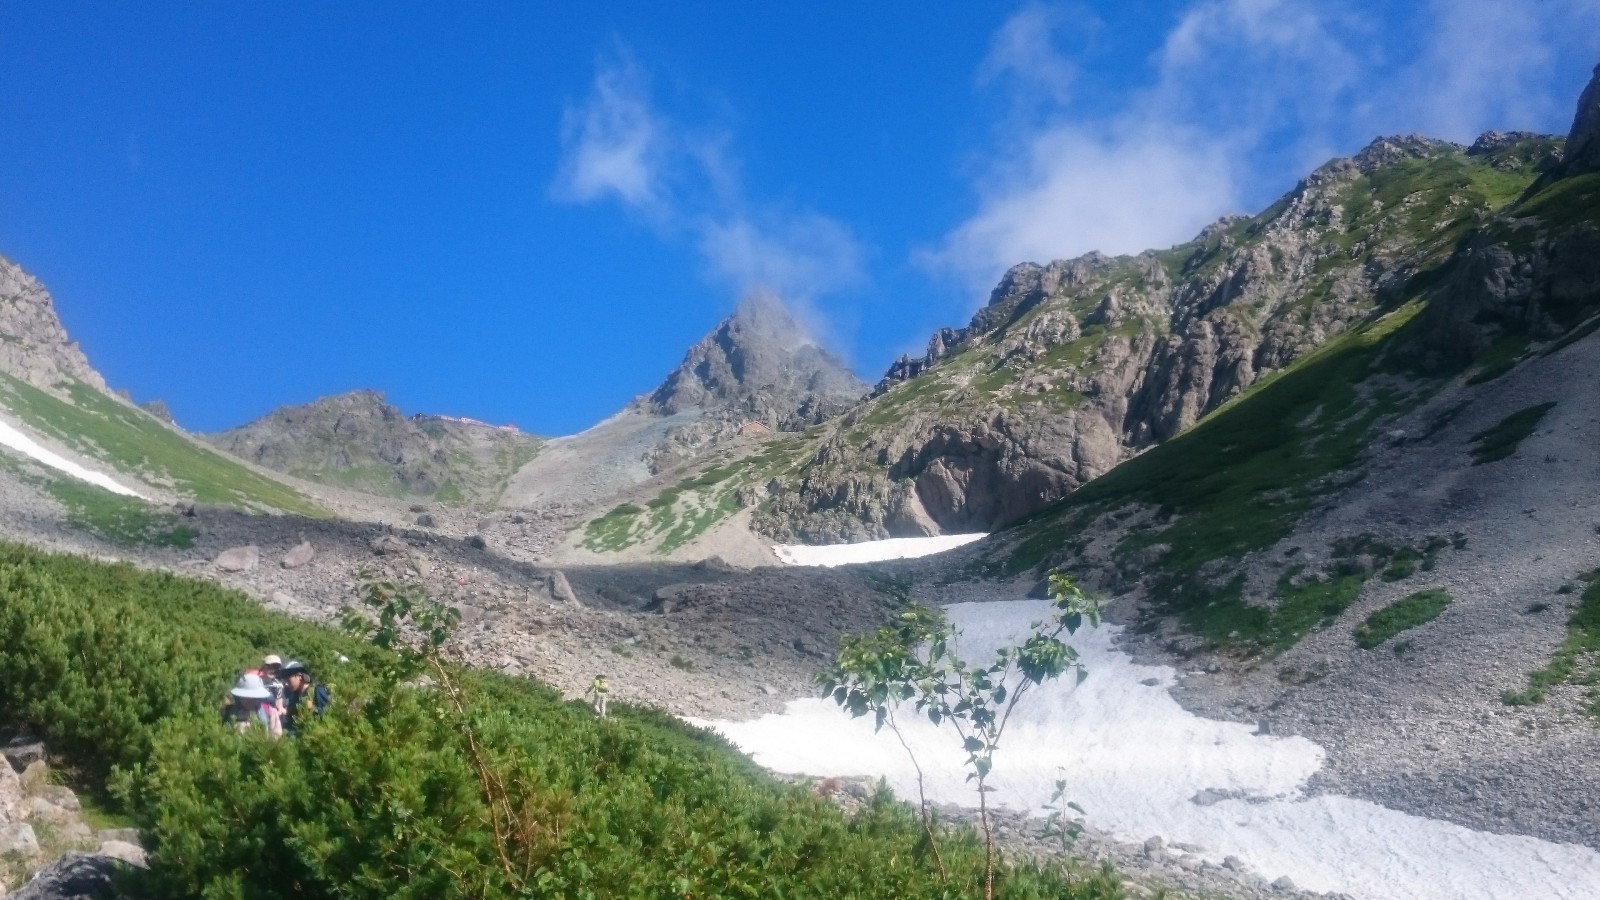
271, 666
299, 691
250, 704
598, 691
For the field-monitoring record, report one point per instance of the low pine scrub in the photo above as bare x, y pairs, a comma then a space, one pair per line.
386, 797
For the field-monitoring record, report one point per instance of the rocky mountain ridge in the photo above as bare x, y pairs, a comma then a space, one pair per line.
1074, 366
360, 441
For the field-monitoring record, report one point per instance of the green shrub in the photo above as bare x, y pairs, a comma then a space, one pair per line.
1402, 615
1503, 438
1576, 661
122, 670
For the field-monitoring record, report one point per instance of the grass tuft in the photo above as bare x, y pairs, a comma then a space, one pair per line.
1502, 439
1402, 615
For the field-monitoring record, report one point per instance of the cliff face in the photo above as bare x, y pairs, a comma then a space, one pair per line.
33, 345
1076, 365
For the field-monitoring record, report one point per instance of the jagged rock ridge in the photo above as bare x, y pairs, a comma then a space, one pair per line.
1076, 365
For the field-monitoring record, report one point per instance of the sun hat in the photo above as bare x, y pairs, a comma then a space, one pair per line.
250, 687
272, 659
293, 666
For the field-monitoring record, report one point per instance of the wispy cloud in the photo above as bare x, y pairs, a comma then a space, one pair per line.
1242, 96
619, 146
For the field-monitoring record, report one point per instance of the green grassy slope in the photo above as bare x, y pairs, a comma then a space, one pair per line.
133, 442
121, 670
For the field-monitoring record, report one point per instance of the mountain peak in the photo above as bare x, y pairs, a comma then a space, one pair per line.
760, 363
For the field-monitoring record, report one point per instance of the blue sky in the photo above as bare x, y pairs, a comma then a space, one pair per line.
526, 212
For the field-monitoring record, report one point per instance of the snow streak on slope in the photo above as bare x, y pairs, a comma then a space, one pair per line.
1137, 762
871, 551
16, 440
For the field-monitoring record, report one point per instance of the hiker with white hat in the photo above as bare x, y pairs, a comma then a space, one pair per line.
271, 666
251, 704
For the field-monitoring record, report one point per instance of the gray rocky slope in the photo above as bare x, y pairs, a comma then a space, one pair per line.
359, 441
1074, 366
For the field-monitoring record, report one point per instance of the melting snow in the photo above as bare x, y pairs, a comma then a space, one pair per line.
16, 440
1136, 760
871, 551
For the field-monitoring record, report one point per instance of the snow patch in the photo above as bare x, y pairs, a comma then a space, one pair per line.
871, 551
12, 438
1137, 762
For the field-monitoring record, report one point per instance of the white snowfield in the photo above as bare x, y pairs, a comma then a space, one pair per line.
1136, 760
16, 440
871, 551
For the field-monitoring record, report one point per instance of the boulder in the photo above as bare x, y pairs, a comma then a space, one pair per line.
389, 545
22, 750
10, 795
38, 809
420, 565
552, 586
238, 559
426, 521
75, 876
476, 542
18, 838
125, 835
60, 795
132, 854
298, 555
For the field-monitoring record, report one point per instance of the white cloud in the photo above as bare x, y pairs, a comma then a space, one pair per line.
619, 146
1486, 65
1242, 98
1077, 189
613, 143
794, 255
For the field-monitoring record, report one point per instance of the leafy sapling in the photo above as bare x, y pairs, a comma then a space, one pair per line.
915, 661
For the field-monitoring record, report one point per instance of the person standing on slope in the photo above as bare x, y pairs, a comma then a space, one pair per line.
300, 692
598, 691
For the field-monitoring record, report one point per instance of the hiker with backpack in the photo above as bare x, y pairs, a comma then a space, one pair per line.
598, 691
300, 692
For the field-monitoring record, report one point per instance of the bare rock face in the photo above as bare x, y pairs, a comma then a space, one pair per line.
1583, 143
33, 345
239, 559
10, 794
761, 365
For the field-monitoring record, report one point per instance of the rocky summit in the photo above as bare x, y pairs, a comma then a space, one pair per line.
761, 365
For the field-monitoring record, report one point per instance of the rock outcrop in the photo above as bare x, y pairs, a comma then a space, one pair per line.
33, 345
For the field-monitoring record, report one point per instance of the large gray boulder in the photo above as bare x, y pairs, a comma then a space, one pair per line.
18, 839
239, 559
298, 555
10, 794
75, 876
